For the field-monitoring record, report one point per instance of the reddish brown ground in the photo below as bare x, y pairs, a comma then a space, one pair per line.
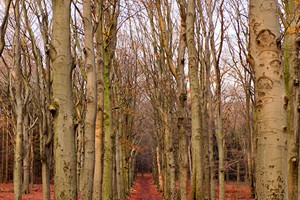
235, 190
7, 192
143, 189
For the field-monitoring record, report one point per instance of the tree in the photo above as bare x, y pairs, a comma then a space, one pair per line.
97, 188
90, 118
216, 55
110, 19
266, 59
291, 74
62, 105
197, 168
18, 107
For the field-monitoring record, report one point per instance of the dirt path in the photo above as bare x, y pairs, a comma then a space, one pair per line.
144, 189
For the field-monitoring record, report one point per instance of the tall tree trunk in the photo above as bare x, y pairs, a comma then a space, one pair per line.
197, 168
182, 107
62, 104
219, 126
43, 93
19, 108
97, 188
7, 152
266, 59
107, 184
291, 70
210, 135
87, 173
109, 44
249, 134
170, 162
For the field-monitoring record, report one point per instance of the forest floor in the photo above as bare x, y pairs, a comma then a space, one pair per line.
36, 192
143, 189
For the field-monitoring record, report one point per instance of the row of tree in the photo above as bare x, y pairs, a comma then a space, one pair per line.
194, 90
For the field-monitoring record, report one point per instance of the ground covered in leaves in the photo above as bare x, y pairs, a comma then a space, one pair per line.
143, 189
7, 192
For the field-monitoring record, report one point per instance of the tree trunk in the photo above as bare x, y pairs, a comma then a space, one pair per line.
218, 112
19, 108
97, 188
291, 74
3, 149
7, 153
170, 163
266, 58
107, 184
197, 168
182, 107
160, 178
87, 173
62, 105
26, 163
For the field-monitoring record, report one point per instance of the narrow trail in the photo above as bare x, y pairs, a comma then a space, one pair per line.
144, 189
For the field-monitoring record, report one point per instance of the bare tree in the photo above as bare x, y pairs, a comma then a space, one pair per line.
266, 59
62, 106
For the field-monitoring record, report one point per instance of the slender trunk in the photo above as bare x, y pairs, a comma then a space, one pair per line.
291, 74
7, 153
3, 149
238, 173
182, 107
160, 178
118, 147
250, 174
170, 163
32, 180
210, 137
86, 180
19, 108
26, 163
197, 168
97, 188
62, 105
221, 144
107, 184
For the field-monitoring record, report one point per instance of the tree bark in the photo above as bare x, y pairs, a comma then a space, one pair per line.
62, 105
291, 74
26, 154
197, 168
19, 108
87, 173
107, 184
271, 138
97, 190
